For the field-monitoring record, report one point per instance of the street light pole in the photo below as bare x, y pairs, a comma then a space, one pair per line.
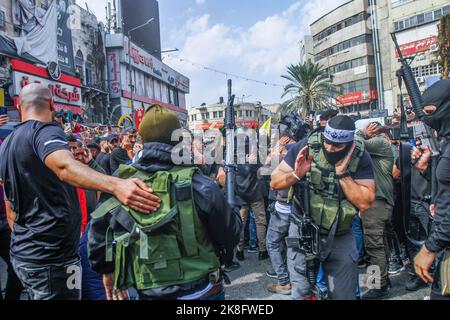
133, 115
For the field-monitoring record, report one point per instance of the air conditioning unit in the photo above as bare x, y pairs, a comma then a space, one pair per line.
421, 80
434, 48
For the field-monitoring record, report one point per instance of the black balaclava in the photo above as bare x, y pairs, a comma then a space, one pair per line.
438, 95
339, 130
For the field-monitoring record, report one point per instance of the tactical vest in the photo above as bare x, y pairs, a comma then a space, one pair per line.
325, 201
166, 248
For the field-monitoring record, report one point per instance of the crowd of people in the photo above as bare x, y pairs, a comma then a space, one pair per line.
109, 215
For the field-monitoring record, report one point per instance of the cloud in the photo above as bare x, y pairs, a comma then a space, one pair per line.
261, 51
200, 2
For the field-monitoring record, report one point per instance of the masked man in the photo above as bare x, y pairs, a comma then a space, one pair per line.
340, 177
436, 107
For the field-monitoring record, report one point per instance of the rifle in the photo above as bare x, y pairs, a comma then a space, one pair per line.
405, 74
308, 242
230, 164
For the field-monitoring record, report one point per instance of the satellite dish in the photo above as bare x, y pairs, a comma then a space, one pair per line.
54, 71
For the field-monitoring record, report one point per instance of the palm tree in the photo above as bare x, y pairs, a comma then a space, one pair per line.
444, 45
311, 88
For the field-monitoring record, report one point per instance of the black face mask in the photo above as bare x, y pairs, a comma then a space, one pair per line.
334, 157
438, 95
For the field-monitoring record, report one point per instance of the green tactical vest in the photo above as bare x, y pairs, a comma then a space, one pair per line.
166, 248
323, 184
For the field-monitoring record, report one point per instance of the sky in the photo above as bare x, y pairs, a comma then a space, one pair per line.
256, 39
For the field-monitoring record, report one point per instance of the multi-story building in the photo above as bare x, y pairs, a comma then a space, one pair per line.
306, 49
415, 23
17, 70
250, 115
151, 81
90, 65
343, 43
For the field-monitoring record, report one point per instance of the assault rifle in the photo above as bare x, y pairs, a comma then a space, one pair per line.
405, 74
230, 163
308, 241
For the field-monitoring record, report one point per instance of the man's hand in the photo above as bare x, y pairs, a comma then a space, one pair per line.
137, 195
372, 130
221, 177
111, 294
342, 166
126, 143
422, 264
433, 209
424, 155
303, 163
4, 120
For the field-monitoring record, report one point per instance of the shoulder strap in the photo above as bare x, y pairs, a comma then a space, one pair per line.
358, 154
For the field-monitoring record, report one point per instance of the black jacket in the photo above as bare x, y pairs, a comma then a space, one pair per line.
439, 237
223, 224
249, 187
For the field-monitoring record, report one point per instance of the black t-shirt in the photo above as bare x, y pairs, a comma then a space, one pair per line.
364, 171
48, 217
118, 156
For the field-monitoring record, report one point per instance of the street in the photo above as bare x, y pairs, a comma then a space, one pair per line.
250, 282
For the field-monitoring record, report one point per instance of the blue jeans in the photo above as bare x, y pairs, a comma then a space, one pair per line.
92, 283
359, 236
50, 282
253, 239
276, 234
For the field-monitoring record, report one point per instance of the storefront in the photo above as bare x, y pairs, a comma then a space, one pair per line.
152, 81
65, 89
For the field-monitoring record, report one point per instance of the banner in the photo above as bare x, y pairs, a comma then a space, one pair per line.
65, 45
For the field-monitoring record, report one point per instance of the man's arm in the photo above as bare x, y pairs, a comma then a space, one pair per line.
132, 192
285, 177
361, 193
10, 215
282, 177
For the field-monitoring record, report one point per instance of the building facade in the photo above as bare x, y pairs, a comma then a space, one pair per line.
343, 44
306, 49
205, 117
90, 65
415, 24
138, 78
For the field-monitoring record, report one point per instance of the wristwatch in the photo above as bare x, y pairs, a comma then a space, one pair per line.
342, 176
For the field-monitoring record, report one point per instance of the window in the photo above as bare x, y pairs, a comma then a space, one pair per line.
89, 79
240, 113
437, 14
79, 64
446, 10
215, 115
428, 16
2, 19
220, 114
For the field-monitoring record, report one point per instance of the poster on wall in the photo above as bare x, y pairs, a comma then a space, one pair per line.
65, 45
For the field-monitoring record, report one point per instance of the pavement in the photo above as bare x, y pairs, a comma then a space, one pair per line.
250, 283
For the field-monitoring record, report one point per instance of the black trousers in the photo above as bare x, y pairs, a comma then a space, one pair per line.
13, 284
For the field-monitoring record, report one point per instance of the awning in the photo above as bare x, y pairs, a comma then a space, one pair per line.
8, 48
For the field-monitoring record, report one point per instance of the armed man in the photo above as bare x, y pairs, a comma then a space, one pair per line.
174, 253
340, 181
436, 106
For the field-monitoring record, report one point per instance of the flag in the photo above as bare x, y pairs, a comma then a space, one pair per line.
266, 126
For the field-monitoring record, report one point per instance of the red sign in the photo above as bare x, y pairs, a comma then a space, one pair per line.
349, 98
141, 59
356, 97
411, 48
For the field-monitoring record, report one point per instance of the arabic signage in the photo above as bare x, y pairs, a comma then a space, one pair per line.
115, 89
150, 65
356, 97
412, 48
66, 92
